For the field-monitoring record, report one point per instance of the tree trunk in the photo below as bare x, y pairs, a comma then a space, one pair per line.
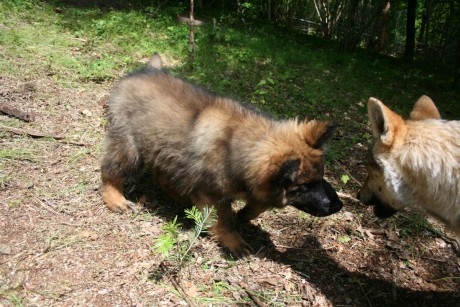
457, 69
269, 2
349, 40
383, 30
409, 52
192, 32
425, 22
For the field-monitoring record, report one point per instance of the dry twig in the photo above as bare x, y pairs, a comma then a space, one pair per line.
175, 283
31, 133
348, 196
254, 298
25, 116
35, 134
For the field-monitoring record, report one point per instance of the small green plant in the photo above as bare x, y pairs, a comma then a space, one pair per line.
17, 154
4, 179
345, 178
15, 203
344, 239
78, 155
264, 87
170, 240
416, 223
367, 137
14, 299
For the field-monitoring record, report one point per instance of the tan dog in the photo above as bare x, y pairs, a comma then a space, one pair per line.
210, 150
413, 163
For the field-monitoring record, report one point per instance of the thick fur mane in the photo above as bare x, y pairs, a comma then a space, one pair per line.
430, 162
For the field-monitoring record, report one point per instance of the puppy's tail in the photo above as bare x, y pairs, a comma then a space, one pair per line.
155, 62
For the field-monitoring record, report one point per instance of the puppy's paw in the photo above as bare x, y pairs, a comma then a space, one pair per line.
241, 251
236, 245
122, 206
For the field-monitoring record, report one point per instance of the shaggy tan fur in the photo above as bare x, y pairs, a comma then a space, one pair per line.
210, 150
414, 162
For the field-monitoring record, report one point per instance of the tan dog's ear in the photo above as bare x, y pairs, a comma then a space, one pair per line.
155, 61
317, 132
384, 122
424, 108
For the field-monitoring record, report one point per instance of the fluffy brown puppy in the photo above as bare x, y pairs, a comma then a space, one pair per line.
210, 150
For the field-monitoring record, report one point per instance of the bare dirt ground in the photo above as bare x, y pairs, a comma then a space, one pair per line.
60, 246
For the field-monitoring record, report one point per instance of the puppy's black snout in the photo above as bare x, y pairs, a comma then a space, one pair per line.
335, 204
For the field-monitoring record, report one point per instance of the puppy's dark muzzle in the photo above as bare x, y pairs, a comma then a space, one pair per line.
325, 211
335, 203
324, 201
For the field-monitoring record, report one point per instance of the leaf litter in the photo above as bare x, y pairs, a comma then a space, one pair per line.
59, 245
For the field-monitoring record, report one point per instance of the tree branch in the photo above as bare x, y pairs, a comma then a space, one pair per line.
9, 110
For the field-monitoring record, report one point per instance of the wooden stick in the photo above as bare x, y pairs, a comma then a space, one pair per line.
348, 196
34, 134
31, 133
254, 298
175, 283
8, 110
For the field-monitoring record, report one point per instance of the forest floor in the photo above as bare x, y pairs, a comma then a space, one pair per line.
60, 245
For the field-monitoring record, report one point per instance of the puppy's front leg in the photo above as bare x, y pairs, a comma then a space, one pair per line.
225, 229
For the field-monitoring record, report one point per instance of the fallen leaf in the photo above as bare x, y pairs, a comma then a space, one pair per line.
288, 286
191, 289
270, 281
440, 242
392, 235
84, 234
236, 295
87, 112
377, 231
348, 216
369, 234
402, 254
5, 249
103, 291
288, 275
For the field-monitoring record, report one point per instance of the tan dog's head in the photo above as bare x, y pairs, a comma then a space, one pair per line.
388, 131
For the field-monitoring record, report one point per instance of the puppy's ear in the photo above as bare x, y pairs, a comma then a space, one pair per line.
155, 61
424, 108
317, 133
384, 122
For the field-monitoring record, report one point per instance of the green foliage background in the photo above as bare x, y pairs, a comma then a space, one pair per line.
282, 71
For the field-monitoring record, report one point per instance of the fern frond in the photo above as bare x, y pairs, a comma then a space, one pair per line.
165, 242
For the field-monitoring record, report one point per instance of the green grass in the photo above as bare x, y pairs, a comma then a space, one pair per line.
285, 73
17, 154
80, 44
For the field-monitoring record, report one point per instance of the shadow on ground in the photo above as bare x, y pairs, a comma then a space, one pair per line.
310, 260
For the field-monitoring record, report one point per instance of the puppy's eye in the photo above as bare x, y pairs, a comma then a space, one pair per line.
292, 189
